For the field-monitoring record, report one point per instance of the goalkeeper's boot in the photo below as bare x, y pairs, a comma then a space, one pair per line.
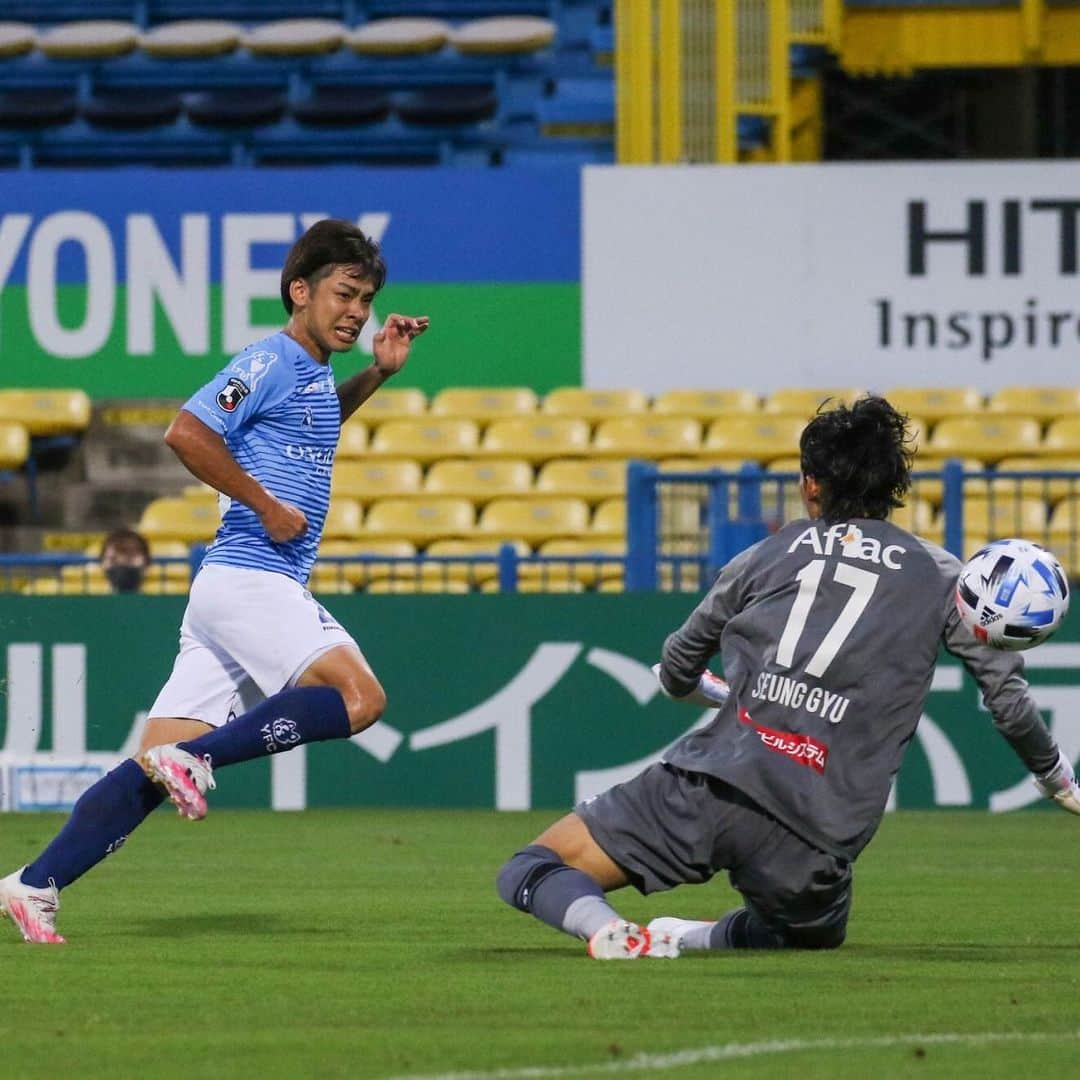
667, 935
619, 940
32, 910
185, 777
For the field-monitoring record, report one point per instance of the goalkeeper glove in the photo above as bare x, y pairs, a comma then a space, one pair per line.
711, 691
1060, 785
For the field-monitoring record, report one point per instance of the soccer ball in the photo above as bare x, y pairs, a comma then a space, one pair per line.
1012, 594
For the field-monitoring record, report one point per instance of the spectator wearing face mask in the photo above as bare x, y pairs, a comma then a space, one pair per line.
125, 557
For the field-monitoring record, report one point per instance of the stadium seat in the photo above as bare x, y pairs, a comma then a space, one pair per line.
1042, 402
609, 520
408, 587
484, 405
988, 438
1062, 437
130, 109
934, 489
1064, 524
391, 403
186, 519
534, 520
705, 404
399, 37
647, 436
46, 412
343, 520
806, 401
353, 441
1049, 490
588, 479
503, 34
88, 40
92, 574
425, 440
916, 515
14, 445
936, 402
538, 438
16, 39
606, 561
189, 39
376, 478
237, 107
341, 106
447, 106
295, 37
472, 573
556, 584
1005, 517
358, 573
479, 480
593, 405
30, 110
420, 520
758, 438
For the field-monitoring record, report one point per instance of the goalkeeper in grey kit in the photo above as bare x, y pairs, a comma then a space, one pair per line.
828, 632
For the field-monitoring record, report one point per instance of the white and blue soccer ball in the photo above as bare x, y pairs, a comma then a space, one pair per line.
1012, 594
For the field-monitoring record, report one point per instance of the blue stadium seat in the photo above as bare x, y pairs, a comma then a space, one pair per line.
131, 109
34, 109
338, 106
235, 108
449, 106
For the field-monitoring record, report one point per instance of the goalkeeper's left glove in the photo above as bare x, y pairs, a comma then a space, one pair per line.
1060, 785
711, 691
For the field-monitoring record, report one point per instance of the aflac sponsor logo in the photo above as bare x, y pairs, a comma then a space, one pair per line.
853, 545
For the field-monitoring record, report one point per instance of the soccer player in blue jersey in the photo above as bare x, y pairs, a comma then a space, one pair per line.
262, 667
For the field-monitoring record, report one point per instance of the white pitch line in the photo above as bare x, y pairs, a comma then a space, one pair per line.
732, 1051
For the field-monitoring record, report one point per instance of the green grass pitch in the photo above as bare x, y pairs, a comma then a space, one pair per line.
372, 944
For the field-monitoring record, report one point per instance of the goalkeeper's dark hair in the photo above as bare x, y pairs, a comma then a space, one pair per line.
329, 243
860, 457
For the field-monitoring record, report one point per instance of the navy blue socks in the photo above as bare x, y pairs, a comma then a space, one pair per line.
291, 718
100, 822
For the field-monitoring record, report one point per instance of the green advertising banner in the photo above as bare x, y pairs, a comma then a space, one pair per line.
511, 702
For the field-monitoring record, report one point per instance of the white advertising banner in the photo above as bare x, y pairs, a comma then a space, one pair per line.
870, 275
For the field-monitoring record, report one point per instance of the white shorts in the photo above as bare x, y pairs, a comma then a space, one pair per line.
246, 635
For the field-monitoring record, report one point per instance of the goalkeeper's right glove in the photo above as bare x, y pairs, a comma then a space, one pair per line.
1060, 785
711, 691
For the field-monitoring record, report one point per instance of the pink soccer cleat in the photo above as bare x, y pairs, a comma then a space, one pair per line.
184, 777
619, 940
32, 910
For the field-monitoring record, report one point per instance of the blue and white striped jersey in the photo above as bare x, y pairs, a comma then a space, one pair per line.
277, 409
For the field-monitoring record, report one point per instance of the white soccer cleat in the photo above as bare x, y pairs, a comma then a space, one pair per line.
667, 933
185, 777
32, 910
619, 940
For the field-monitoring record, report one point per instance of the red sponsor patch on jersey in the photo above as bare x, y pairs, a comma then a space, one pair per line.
804, 749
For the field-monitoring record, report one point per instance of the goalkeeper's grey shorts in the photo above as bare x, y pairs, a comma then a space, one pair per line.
669, 827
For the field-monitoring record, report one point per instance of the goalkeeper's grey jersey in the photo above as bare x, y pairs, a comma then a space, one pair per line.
829, 636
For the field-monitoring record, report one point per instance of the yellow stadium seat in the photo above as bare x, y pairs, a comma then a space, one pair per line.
46, 412
343, 520
159, 549
588, 479
705, 404
535, 520
393, 403
1064, 521
177, 518
606, 561
480, 480
413, 586
473, 573
916, 515
354, 439
647, 436
1062, 437
988, 438
484, 404
594, 404
1005, 487
156, 573
199, 491
556, 584
536, 439
421, 520
14, 445
934, 489
703, 464
376, 478
804, 402
1005, 517
760, 438
609, 520
425, 440
1042, 402
935, 402
356, 574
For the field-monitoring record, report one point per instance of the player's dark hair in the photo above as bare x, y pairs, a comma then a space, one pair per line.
127, 540
329, 243
860, 456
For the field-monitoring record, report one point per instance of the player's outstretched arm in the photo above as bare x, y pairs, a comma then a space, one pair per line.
391, 348
206, 456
